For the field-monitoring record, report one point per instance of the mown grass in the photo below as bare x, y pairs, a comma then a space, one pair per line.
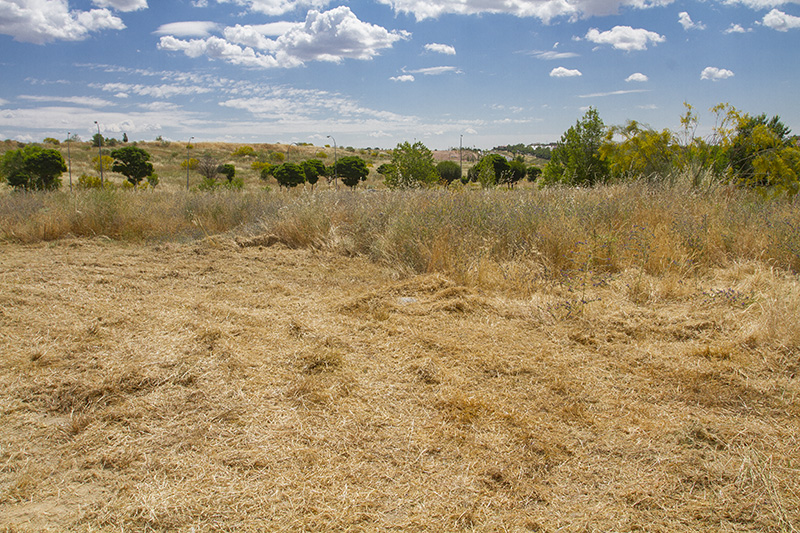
519, 235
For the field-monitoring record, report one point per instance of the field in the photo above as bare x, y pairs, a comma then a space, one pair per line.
618, 359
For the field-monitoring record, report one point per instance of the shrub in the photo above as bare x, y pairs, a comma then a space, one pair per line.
244, 151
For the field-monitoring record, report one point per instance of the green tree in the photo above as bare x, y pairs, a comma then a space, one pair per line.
643, 153
414, 166
352, 170
133, 163
289, 175
533, 173
313, 169
449, 171
517, 171
756, 138
33, 168
491, 170
227, 170
576, 159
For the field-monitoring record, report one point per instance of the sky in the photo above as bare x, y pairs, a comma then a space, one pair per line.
375, 73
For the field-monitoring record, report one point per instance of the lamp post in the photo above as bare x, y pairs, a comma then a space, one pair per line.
335, 161
69, 160
460, 159
188, 145
100, 151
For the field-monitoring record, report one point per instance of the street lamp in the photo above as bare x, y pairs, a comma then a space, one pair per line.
335, 161
100, 150
188, 145
461, 159
69, 159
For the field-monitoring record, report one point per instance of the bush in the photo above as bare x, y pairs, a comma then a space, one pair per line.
244, 151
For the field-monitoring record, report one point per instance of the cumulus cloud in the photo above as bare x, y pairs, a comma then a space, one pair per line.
403, 78
562, 72
715, 74
325, 36
625, 38
441, 49
196, 28
780, 21
277, 7
122, 5
545, 10
688, 24
44, 21
637, 76
736, 28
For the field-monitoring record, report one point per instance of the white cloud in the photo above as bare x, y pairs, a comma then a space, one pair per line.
688, 24
715, 74
561, 72
637, 76
780, 21
625, 37
736, 28
441, 49
194, 28
545, 10
277, 7
612, 93
552, 55
122, 5
330, 36
404, 77
3, 102
436, 71
154, 91
44, 21
760, 4
87, 101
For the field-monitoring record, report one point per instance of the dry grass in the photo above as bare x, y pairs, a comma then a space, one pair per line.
559, 361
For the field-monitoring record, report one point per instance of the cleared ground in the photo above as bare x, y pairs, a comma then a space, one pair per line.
217, 387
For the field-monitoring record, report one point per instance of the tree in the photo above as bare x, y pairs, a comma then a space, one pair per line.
413, 167
491, 170
533, 173
449, 171
133, 163
313, 169
227, 170
289, 175
352, 170
124, 137
33, 168
643, 153
207, 167
754, 138
576, 158
517, 171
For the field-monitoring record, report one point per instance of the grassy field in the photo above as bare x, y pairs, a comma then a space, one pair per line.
618, 359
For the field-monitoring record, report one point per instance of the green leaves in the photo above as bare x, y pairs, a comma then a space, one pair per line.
133, 163
33, 168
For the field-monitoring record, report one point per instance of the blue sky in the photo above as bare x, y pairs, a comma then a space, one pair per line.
378, 72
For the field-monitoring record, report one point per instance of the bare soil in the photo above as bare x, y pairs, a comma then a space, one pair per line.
216, 387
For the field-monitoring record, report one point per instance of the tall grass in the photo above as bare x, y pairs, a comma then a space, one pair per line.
518, 234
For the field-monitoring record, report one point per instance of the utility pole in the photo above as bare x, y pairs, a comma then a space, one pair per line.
335, 161
100, 151
188, 145
69, 159
460, 159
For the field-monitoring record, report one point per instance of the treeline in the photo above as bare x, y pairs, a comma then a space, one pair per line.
746, 150
534, 150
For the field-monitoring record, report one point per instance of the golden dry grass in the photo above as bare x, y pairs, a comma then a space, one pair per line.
216, 386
